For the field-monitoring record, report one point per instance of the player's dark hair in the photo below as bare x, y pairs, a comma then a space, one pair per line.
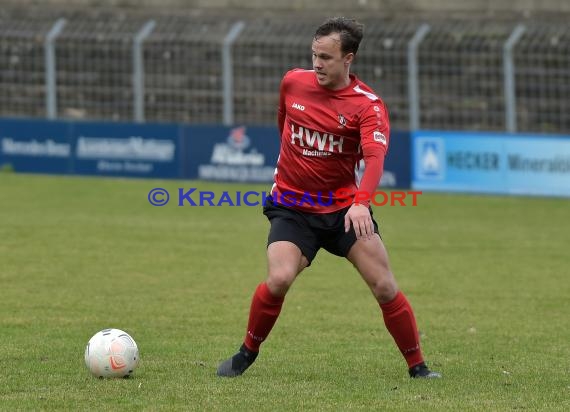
350, 31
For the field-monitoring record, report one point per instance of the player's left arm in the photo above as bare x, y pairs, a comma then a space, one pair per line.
374, 137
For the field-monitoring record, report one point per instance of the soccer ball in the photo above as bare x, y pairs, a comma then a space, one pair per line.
111, 353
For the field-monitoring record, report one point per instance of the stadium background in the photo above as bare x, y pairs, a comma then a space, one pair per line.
491, 67
460, 59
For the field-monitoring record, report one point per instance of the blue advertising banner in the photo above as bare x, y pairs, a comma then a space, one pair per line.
397, 164
491, 163
36, 146
249, 154
217, 153
231, 154
109, 149
125, 149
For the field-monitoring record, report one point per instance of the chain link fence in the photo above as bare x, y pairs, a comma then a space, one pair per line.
200, 69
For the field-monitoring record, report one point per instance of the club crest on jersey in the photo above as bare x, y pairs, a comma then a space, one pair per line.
379, 137
342, 121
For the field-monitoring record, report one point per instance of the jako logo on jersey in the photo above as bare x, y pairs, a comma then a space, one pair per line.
379, 137
298, 106
324, 142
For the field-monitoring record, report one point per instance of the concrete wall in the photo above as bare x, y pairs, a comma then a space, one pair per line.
385, 7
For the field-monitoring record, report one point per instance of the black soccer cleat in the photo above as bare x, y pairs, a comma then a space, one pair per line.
237, 364
423, 372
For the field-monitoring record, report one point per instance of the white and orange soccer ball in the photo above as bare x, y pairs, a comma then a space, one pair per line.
111, 353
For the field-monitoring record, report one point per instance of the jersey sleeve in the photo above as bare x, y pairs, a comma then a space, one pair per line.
374, 139
281, 108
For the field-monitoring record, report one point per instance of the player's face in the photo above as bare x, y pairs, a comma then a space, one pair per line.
331, 66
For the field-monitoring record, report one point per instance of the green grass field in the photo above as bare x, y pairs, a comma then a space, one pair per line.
487, 276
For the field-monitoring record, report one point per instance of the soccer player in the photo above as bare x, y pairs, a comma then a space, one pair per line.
329, 120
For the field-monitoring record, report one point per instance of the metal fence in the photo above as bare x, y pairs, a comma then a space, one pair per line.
197, 69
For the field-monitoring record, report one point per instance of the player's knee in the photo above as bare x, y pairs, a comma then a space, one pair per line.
384, 290
279, 281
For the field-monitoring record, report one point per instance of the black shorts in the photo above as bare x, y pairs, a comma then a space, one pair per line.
310, 231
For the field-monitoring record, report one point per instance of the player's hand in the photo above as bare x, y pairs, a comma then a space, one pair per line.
361, 220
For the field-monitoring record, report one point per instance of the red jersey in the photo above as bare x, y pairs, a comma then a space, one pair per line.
324, 134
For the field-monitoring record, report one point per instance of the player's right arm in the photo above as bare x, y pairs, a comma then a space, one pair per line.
287, 84
281, 110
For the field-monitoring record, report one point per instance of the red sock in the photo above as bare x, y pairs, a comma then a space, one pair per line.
263, 313
400, 322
